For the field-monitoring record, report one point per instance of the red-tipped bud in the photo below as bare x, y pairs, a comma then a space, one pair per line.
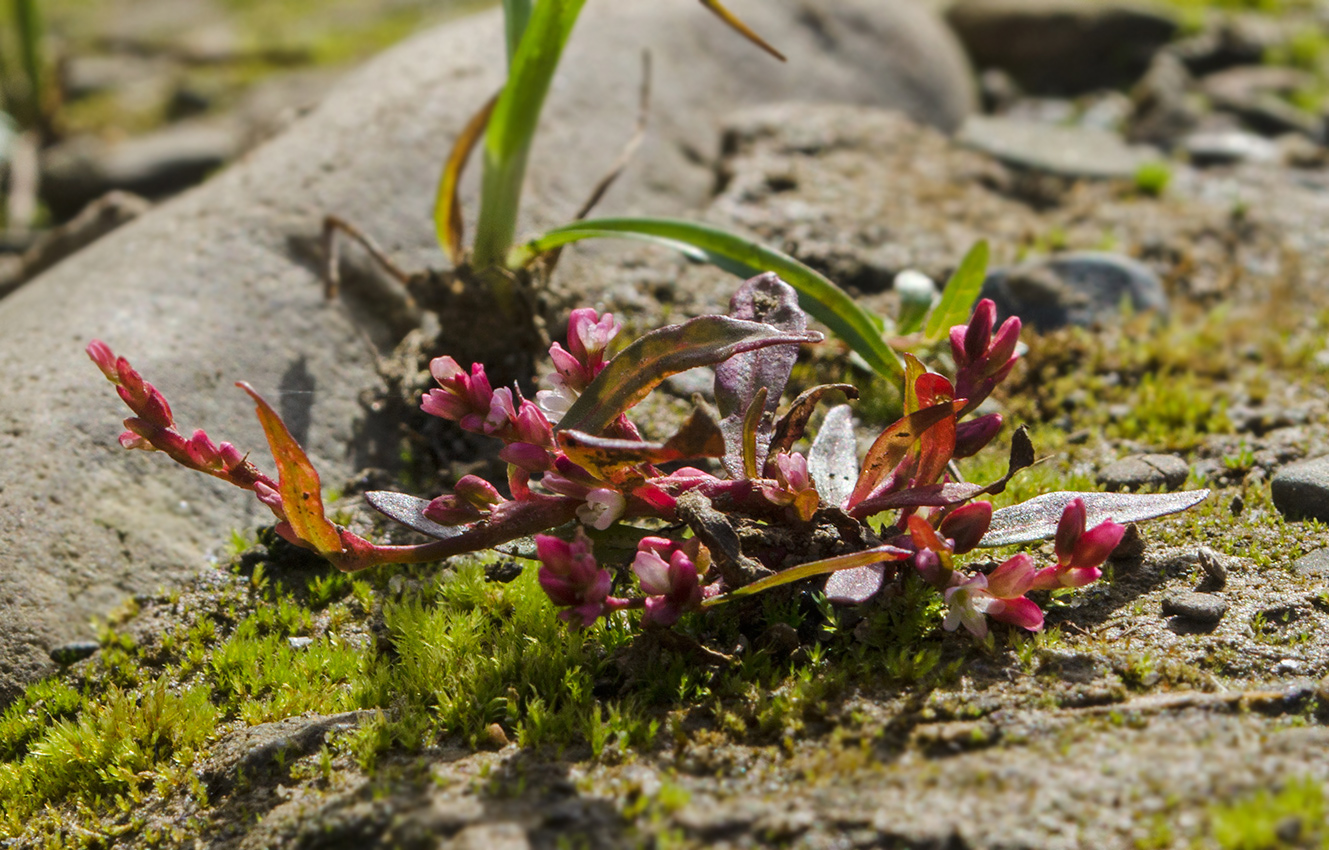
967, 525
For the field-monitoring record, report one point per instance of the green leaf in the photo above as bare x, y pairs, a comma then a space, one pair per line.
852, 560
957, 299
516, 15
822, 299
640, 367
513, 122
301, 495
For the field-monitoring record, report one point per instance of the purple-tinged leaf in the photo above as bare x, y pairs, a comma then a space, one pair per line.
1037, 518
856, 586
926, 496
794, 423
833, 458
851, 561
892, 444
301, 496
767, 299
699, 436
639, 368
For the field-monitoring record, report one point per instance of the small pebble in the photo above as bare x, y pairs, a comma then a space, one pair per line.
1313, 565
1301, 490
1150, 470
77, 650
299, 642
1197, 607
1131, 547
1287, 667
495, 736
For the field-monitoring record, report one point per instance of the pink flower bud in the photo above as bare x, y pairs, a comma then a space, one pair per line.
1013, 578
1096, 544
1069, 529
967, 525
571, 578
450, 509
230, 456
202, 452
100, 353
532, 459
477, 491
531, 426
978, 335
502, 411
972, 435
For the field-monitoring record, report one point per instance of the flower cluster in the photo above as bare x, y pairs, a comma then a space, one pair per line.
576, 460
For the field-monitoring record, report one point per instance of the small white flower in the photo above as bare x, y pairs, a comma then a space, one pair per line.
603, 508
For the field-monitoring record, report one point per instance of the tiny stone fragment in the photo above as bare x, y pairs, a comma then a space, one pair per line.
1131, 546
1215, 571
1204, 608
68, 653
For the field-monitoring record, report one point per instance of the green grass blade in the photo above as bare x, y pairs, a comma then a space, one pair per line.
957, 299
513, 123
822, 299
516, 15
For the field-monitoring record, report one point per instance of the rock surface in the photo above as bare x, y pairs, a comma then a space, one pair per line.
1081, 288
1062, 46
215, 286
1152, 470
1063, 151
1301, 490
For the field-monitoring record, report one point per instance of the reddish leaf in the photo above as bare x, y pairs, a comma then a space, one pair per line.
891, 446
640, 367
301, 498
698, 437
794, 423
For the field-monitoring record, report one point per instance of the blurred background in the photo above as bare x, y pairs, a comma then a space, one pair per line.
150, 96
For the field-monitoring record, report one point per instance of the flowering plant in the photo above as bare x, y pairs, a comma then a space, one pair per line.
763, 516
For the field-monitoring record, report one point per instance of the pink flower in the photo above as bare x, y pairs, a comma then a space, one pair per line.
462, 398
572, 579
603, 508
795, 486
589, 335
669, 578
1079, 552
1000, 595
